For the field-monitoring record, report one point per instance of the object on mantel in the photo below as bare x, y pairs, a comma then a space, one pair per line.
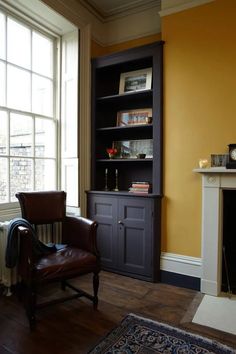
203, 163
218, 160
231, 164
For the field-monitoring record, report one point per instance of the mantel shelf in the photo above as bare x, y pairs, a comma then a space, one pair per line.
214, 170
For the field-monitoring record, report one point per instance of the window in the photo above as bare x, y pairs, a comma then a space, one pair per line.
28, 122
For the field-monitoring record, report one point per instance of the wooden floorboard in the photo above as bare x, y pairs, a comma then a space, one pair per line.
74, 327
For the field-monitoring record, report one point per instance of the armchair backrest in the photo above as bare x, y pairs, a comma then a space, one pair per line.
42, 207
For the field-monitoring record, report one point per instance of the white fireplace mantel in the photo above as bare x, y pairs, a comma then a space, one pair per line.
214, 181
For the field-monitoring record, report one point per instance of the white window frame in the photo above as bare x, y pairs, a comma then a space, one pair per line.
9, 210
69, 121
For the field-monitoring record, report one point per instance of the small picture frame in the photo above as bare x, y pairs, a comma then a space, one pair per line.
138, 80
134, 117
134, 148
219, 160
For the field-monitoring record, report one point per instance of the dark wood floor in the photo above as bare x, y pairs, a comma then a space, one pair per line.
74, 327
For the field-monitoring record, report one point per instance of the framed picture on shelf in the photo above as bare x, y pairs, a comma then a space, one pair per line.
138, 80
134, 117
134, 148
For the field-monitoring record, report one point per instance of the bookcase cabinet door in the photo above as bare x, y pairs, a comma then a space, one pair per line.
135, 235
104, 210
125, 235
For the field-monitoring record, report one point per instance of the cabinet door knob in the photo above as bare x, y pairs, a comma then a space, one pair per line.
120, 222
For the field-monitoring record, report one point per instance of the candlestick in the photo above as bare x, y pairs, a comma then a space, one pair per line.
116, 187
106, 175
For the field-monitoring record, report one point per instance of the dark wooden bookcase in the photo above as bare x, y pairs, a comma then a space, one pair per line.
129, 229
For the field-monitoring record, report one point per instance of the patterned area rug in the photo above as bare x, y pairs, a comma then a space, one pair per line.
143, 336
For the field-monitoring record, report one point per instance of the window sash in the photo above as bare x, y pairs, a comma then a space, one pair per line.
12, 105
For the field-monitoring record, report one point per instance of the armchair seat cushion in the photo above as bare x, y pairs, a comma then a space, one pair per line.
64, 264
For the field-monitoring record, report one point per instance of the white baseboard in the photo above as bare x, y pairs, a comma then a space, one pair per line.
180, 264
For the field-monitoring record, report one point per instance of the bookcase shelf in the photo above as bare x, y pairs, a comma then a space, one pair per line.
122, 129
125, 160
126, 97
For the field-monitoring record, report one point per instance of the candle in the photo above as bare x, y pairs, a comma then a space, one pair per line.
203, 163
106, 171
116, 172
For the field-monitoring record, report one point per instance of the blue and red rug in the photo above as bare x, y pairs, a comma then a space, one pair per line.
143, 336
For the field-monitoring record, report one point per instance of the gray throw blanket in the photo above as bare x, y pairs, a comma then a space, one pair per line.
12, 250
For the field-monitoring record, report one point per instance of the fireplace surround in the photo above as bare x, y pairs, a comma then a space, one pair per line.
214, 181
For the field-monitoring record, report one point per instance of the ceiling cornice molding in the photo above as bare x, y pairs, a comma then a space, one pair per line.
123, 39
122, 11
182, 7
91, 9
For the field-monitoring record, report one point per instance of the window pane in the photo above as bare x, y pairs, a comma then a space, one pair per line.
21, 176
18, 40
2, 83
2, 36
3, 180
21, 134
45, 174
45, 138
42, 96
42, 55
18, 88
3, 133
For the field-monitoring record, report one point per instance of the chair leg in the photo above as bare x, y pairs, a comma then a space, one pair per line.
95, 290
30, 306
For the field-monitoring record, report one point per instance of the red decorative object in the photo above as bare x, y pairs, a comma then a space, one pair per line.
111, 152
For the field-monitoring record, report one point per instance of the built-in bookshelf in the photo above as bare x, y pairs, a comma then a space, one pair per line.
127, 117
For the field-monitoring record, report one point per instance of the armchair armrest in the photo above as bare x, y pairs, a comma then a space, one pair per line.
80, 232
26, 256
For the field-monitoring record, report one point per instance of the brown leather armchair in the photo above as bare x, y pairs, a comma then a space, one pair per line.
78, 257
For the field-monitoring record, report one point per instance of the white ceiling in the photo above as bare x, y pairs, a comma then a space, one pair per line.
111, 8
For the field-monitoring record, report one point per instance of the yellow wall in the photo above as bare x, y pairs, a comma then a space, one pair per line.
200, 111
97, 50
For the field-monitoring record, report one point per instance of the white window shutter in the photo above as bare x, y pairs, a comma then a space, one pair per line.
69, 118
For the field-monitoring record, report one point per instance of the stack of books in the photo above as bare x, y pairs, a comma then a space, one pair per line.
140, 187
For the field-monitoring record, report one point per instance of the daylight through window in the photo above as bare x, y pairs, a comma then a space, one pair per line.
28, 124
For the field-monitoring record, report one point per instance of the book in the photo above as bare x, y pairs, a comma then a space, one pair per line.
138, 182
139, 189
141, 186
